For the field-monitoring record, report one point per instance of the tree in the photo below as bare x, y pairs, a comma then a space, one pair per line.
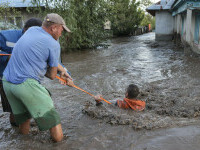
125, 16
85, 18
148, 19
145, 3
7, 13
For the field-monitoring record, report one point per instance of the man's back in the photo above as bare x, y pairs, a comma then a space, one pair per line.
30, 56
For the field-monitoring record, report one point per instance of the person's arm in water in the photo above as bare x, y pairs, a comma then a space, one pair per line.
98, 100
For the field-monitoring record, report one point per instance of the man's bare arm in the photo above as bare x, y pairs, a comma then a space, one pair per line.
51, 73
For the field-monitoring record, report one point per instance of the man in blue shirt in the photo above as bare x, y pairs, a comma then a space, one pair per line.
33, 53
7, 40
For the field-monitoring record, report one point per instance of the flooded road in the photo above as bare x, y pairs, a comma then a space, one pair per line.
169, 82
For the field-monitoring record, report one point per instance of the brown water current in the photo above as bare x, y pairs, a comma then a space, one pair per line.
169, 82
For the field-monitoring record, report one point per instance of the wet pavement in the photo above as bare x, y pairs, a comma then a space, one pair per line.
169, 83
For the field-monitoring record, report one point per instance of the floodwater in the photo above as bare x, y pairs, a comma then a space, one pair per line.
169, 82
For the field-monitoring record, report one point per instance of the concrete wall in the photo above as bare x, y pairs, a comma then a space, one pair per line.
175, 23
183, 26
186, 35
164, 25
190, 41
178, 25
189, 26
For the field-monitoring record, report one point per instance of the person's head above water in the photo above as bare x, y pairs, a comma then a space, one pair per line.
32, 22
132, 91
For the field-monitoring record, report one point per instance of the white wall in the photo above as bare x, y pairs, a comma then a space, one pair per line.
187, 37
175, 23
164, 23
179, 25
189, 26
189, 29
195, 46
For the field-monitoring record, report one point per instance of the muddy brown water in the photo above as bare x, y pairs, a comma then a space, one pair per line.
169, 83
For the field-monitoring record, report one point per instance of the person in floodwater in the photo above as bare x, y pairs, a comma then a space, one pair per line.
130, 100
34, 51
6, 47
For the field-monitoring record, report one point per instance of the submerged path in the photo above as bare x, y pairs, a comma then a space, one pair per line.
169, 82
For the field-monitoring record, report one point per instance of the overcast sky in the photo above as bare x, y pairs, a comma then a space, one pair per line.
155, 1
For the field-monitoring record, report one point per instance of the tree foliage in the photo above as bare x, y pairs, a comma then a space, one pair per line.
88, 21
145, 3
148, 19
125, 16
86, 18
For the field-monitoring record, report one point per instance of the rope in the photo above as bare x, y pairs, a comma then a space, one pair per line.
83, 90
5, 54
